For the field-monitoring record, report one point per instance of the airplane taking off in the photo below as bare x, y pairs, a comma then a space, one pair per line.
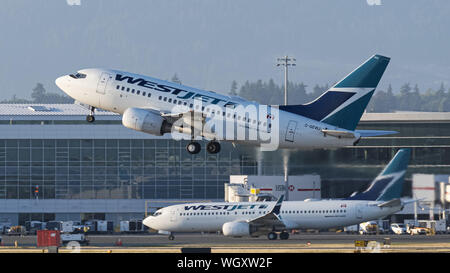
381, 199
158, 107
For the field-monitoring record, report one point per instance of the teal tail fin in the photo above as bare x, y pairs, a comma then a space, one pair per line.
388, 184
344, 103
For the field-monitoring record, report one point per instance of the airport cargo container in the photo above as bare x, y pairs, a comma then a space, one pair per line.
132, 226
47, 238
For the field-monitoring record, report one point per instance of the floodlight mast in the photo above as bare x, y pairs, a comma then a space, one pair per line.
286, 62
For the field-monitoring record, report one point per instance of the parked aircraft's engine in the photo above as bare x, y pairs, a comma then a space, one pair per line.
236, 229
145, 121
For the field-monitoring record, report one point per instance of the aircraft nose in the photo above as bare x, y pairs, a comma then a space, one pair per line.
61, 82
149, 221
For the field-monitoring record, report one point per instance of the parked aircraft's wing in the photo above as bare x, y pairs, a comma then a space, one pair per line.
271, 219
339, 134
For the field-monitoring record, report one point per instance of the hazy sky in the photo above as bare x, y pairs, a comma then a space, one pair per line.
209, 43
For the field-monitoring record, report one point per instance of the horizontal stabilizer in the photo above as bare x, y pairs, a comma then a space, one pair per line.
338, 134
373, 133
392, 203
409, 201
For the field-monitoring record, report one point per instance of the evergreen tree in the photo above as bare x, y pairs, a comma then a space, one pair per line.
233, 89
38, 94
404, 98
175, 79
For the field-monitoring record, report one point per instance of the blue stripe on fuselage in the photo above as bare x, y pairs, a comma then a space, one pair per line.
321, 107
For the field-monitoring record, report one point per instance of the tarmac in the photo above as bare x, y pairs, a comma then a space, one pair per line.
328, 242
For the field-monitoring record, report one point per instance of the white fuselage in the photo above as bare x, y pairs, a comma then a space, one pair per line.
117, 91
210, 217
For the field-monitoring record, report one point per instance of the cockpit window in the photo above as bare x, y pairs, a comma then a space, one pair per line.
157, 213
78, 76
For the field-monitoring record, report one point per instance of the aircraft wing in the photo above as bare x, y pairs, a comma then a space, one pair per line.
189, 122
189, 113
372, 133
271, 219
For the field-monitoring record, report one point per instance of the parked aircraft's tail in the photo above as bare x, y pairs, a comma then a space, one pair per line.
388, 184
344, 103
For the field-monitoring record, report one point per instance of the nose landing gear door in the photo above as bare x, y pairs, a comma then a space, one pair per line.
103, 82
290, 132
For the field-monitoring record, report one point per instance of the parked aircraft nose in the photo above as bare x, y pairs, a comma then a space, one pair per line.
149, 221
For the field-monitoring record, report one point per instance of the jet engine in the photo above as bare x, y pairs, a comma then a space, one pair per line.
236, 229
145, 121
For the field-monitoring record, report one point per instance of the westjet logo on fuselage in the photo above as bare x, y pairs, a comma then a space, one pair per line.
226, 207
180, 93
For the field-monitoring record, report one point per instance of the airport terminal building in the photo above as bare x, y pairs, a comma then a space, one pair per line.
56, 166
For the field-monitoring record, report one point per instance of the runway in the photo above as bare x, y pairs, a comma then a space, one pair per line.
298, 243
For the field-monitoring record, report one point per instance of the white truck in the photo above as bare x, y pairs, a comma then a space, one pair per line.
78, 237
398, 228
374, 227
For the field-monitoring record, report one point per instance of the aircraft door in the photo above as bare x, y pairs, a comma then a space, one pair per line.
290, 132
173, 215
103, 82
359, 211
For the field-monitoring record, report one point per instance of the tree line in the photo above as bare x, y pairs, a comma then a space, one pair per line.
406, 98
40, 95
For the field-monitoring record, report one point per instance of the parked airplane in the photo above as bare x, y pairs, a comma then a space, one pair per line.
381, 199
158, 107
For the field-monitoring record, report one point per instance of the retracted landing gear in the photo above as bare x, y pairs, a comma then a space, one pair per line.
213, 147
90, 118
193, 147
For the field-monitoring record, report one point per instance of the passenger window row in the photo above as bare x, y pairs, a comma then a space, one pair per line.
133, 91
312, 211
264, 212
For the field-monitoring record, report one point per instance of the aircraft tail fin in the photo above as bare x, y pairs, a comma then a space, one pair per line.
343, 104
277, 207
388, 185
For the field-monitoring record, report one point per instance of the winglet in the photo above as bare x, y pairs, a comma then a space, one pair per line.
277, 207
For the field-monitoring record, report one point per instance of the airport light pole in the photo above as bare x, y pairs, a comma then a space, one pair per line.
286, 62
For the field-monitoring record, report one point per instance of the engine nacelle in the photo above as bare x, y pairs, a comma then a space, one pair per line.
145, 121
236, 229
